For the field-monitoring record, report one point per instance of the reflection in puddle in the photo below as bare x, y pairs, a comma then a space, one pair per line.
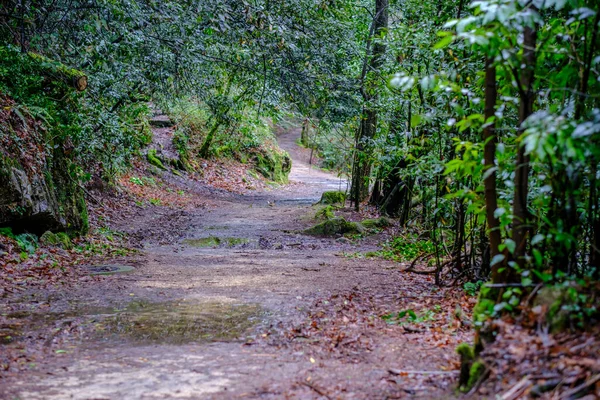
143, 322
181, 322
213, 241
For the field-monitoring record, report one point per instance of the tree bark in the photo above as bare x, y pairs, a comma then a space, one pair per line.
521, 180
60, 72
361, 168
489, 157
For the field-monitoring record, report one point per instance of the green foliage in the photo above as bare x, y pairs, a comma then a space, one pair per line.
409, 316
27, 242
569, 305
406, 248
472, 288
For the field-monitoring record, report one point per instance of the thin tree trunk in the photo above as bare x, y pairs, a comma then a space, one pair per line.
361, 169
489, 156
520, 210
208, 141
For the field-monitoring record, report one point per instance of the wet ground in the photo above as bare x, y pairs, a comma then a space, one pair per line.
209, 314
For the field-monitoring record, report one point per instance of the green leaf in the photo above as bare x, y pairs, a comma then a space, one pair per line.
510, 245
415, 120
443, 43
498, 258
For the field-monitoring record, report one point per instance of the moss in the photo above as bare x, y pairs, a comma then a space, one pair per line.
465, 350
333, 198
475, 374
232, 242
325, 213
381, 222
210, 241
274, 165
59, 239
335, 226
71, 199
154, 160
560, 301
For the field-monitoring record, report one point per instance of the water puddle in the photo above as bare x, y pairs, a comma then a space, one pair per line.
214, 241
142, 322
181, 322
108, 269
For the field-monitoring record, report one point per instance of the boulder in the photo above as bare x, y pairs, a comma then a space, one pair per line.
335, 226
39, 191
333, 198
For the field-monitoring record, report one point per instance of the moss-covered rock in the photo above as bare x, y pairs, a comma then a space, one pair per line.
59, 239
39, 188
335, 226
556, 301
154, 160
274, 165
325, 213
333, 198
381, 222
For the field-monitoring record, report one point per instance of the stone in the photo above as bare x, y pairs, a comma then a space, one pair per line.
59, 239
381, 222
335, 226
333, 198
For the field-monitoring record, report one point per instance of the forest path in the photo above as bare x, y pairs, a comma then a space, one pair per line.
245, 306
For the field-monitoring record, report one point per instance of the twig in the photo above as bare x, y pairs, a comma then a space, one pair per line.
514, 392
90, 195
394, 371
578, 389
505, 285
316, 389
533, 292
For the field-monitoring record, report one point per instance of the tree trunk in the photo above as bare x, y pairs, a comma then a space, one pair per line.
60, 72
361, 168
304, 134
489, 156
208, 141
521, 180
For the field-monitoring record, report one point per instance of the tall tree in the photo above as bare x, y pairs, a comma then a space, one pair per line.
367, 129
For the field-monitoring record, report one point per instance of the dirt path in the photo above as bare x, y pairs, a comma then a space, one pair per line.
244, 306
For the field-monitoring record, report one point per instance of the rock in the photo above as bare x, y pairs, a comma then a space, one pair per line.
59, 239
335, 226
26, 201
557, 301
333, 198
325, 213
161, 121
154, 160
38, 191
381, 222
274, 165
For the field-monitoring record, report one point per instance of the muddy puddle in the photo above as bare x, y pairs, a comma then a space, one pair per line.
141, 322
214, 241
